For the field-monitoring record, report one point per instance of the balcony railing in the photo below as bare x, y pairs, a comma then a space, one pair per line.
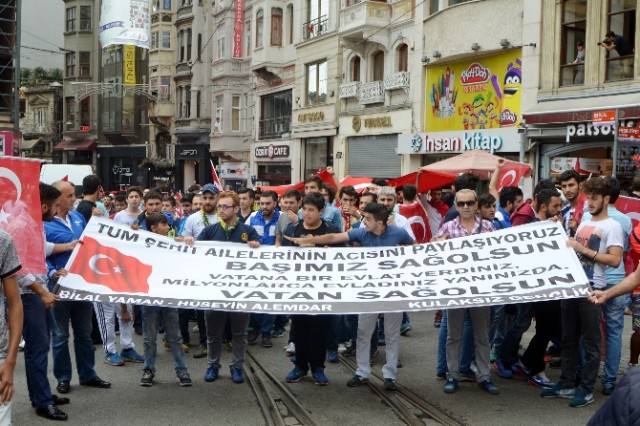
275, 127
571, 74
398, 80
350, 90
620, 68
365, 14
371, 93
315, 27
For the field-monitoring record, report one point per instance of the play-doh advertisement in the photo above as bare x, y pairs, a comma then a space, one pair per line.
479, 94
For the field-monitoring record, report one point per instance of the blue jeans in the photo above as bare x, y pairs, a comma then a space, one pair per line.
263, 323
168, 317
511, 343
79, 313
613, 312
35, 331
467, 349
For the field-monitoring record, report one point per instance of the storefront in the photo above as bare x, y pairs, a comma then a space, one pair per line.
123, 166
234, 175
273, 163
315, 132
193, 165
77, 148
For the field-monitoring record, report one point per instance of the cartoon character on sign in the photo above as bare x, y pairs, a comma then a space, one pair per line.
510, 93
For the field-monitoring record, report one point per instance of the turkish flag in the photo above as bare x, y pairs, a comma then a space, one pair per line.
433, 179
631, 207
511, 174
360, 184
20, 215
107, 266
281, 189
411, 178
418, 220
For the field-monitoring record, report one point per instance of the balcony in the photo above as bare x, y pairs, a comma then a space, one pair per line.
401, 10
315, 27
183, 70
398, 80
365, 19
226, 67
185, 13
275, 127
350, 90
620, 68
372, 93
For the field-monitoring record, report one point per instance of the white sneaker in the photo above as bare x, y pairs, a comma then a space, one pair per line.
341, 348
21, 345
290, 348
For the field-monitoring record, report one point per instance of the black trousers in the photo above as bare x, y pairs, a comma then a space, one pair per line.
311, 336
548, 319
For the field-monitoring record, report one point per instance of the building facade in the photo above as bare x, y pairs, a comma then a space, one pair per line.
41, 120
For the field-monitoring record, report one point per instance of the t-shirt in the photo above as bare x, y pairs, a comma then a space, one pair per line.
302, 232
85, 208
194, 224
9, 265
598, 236
283, 222
392, 236
622, 46
123, 218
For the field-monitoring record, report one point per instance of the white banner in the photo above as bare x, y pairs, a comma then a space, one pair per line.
125, 22
526, 263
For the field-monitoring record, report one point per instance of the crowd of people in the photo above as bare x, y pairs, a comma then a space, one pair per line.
471, 341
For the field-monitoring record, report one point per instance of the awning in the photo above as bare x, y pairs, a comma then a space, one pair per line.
28, 144
67, 145
579, 109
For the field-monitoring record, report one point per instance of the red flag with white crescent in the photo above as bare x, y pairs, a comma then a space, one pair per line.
418, 220
20, 213
512, 173
214, 176
631, 207
107, 266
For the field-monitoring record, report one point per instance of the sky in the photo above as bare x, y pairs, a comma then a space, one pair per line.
42, 28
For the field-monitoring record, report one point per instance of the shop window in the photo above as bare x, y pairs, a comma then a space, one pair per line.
235, 114
355, 69
85, 18
70, 64
259, 27
622, 22
317, 83
276, 26
71, 19
574, 27
317, 155
85, 64
378, 66
275, 115
403, 57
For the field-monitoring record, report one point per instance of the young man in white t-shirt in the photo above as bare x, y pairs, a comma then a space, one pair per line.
598, 243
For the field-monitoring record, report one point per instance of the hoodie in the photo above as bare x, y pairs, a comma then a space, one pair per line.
523, 214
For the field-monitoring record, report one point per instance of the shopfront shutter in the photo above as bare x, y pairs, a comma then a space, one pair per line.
373, 156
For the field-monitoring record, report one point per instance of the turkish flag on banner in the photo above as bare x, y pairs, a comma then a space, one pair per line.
418, 219
512, 173
631, 207
107, 266
360, 184
281, 189
20, 213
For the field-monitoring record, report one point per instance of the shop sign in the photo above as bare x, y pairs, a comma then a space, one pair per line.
602, 118
629, 134
234, 171
271, 151
119, 170
475, 95
371, 123
309, 117
503, 140
588, 129
585, 166
188, 152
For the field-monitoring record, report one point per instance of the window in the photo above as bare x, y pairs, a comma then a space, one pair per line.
40, 116
165, 88
317, 12
199, 45
454, 2
198, 100
71, 110
622, 21
403, 57
355, 69
247, 37
221, 45
181, 46
290, 20
235, 114
85, 119
85, 18
71, 19
166, 5
85, 64
317, 83
574, 26
166, 39
217, 126
275, 114
187, 101
154, 40
317, 153
189, 44
259, 27
378, 66
276, 26
434, 6
70, 64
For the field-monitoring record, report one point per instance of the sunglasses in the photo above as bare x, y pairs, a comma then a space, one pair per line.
465, 203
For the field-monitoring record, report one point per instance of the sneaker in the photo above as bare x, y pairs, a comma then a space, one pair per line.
357, 381
520, 369
185, 379
266, 342
290, 348
341, 348
131, 355
114, 359
450, 386
211, 374
332, 357
390, 384
540, 381
559, 390
467, 376
201, 352
503, 371
319, 378
252, 337
147, 378
185, 348
441, 376
405, 328
278, 332
21, 345
295, 375
490, 387
237, 375
493, 357
607, 390
580, 399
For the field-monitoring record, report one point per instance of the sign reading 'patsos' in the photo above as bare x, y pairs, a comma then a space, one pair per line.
272, 151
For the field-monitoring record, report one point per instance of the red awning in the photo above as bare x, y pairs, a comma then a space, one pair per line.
67, 145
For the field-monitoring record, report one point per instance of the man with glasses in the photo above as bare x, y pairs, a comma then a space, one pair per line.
229, 229
465, 224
